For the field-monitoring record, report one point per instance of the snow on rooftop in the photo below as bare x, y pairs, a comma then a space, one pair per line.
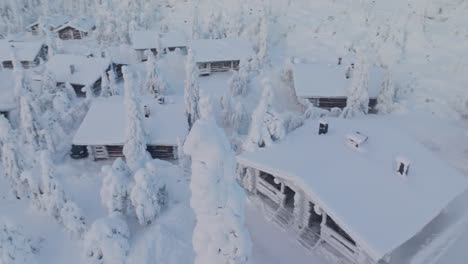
87, 70
104, 123
7, 85
85, 24
52, 21
329, 80
25, 51
147, 39
361, 190
228, 49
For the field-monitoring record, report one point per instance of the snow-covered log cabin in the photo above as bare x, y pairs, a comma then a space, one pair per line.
218, 55
52, 22
103, 128
360, 201
143, 40
29, 54
77, 28
79, 71
326, 86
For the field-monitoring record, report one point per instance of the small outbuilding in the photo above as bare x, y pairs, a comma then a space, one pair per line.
103, 128
79, 71
326, 86
52, 22
29, 54
355, 204
77, 28
143, 40
218, 55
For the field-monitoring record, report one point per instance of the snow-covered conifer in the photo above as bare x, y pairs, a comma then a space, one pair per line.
15, 247
386, 94
149, 196
72, 219
191, 91
107, 241
135, 144
114, 88
155, 83
116, 187
105, 85
358, 95
217, 200
30, 126
53, 195
237, 84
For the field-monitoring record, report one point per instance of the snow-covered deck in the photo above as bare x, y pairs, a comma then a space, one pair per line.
321, 80
215, 50
360, 189
105, 123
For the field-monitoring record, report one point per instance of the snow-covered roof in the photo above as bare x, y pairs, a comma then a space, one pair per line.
25, 51
7, 86
361, 190
104, 123
87, 70
85, 24
52, 21
228, 49
325, 80
147, 39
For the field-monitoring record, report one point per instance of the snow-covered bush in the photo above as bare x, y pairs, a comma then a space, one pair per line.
116, 187
238, 83
107, 241
191, 91
386, 95
155, 83
358, 95
72, 219
149, 195
217, 200
15, 247
135, 144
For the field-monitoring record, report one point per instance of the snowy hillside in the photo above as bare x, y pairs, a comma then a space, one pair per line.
125, 126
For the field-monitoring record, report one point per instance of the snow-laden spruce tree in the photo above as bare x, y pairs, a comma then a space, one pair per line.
135, 143
15, 247
149, 196
114, 88
196, 30
266, 125
219, 235
53, 197
107, 241
358, 94
238, 83
14, 159
105, 85
117, 186
155, 83
30, 125
191, 91
386, 95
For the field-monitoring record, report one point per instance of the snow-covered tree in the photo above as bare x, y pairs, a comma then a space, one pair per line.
196, 31
72, 219
114, 88
191, 91
15, 247
238, 83
266, 125
134, 149
219, 235
53, 198
107, 241
358, 95
116, 187
149, 196
155, 83
386, 95
105, 85
30, 125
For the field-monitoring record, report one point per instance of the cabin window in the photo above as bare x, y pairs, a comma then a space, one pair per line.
271, 180
236, 64
7, 65
335, 227
203, 65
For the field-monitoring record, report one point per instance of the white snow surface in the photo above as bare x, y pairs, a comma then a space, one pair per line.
325, 80
360, 189
228, 49
147, 39
87, 70
25, 51
105, 124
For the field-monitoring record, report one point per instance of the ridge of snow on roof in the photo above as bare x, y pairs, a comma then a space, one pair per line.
213, 50
25, 51
84, 24
325, 80
104, 123
87, 70
146, 39
361, 190
52, 21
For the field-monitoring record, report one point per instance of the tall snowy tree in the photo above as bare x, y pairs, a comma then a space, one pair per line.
135, 144
191, 91
386, 95
116, 187
53, 194
149, 196
219, 235
30, 126
358, 95
105, 85
155, 83
15, 246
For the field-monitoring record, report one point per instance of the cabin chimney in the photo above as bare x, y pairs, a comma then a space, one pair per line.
72, 68
348, 73
323, 127
356, 139
402, 166
147, 111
